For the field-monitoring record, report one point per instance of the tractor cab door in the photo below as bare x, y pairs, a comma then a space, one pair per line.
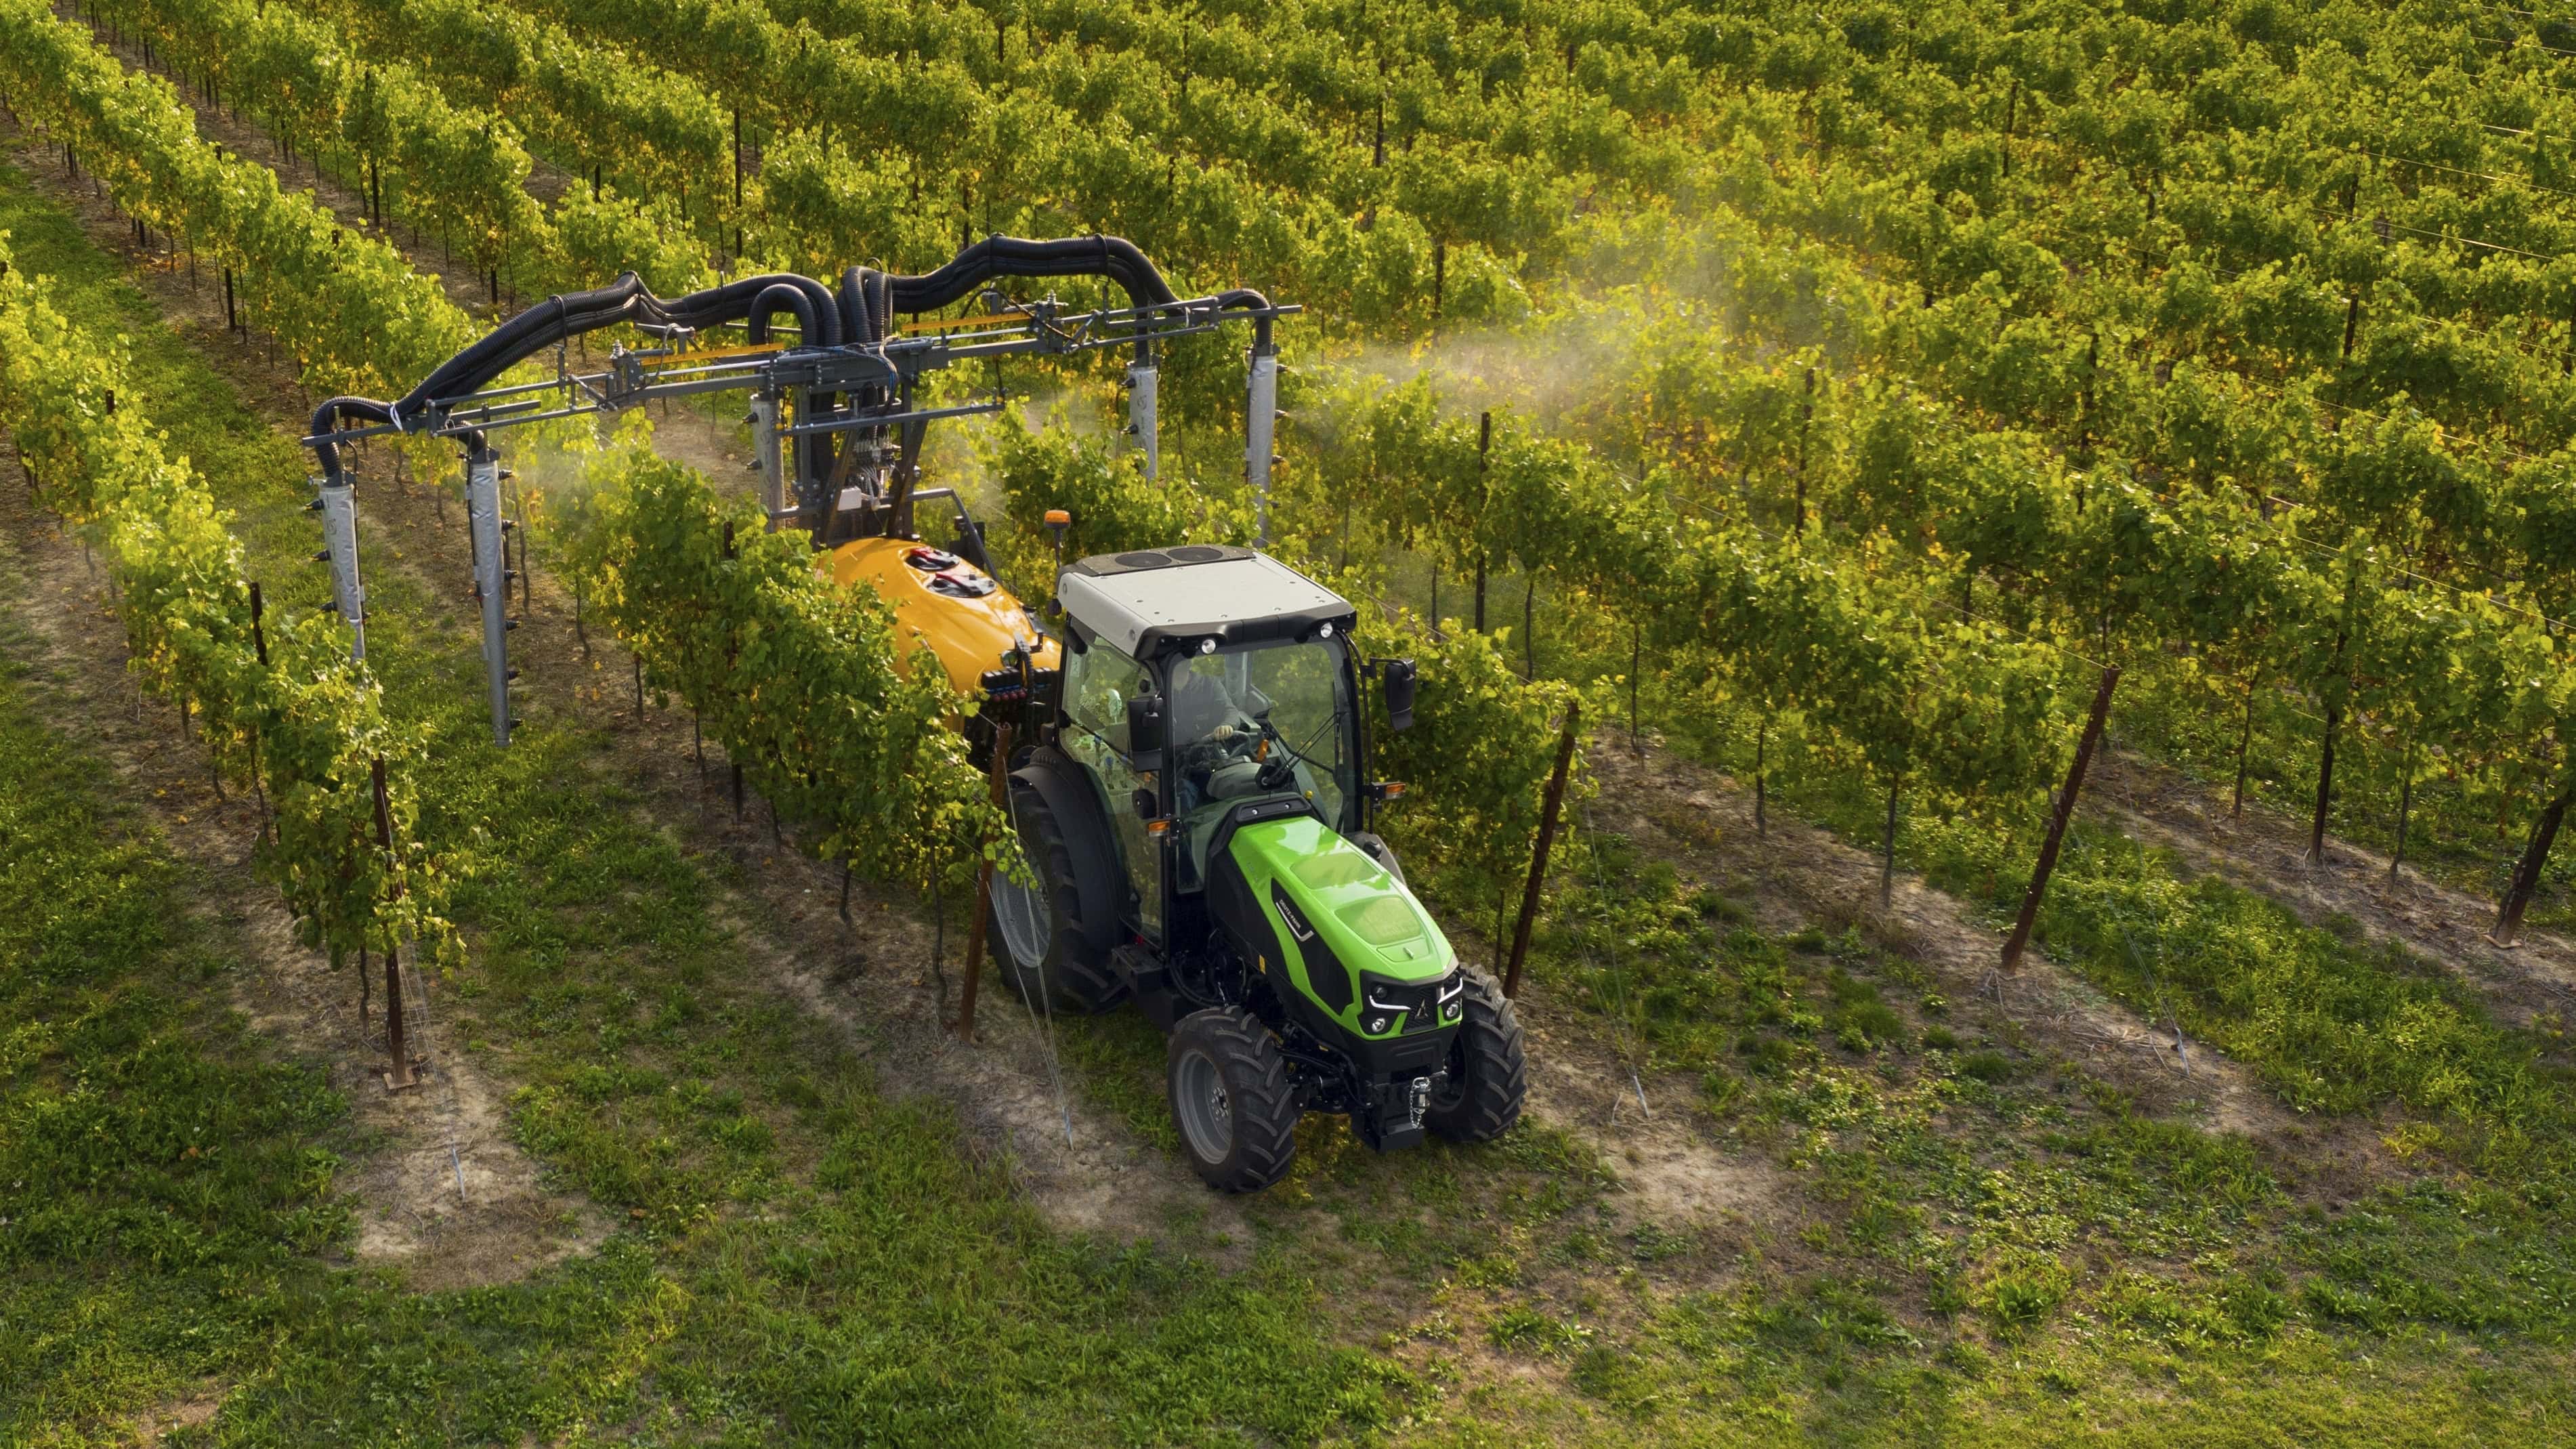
1259, 722
1098, 682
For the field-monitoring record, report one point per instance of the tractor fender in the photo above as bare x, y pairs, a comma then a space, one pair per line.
1068, 794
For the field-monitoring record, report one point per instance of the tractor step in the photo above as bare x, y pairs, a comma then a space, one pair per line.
1149, 981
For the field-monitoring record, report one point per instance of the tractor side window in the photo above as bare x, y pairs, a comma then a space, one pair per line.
1099, 682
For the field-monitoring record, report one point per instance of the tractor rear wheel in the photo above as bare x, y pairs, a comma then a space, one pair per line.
1231, 1099
1048, 938
1481, 1098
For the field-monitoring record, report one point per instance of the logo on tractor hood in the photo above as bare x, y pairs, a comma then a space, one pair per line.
1288, 912
1327, 979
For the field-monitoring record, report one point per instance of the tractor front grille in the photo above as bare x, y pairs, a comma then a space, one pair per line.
1422, 1005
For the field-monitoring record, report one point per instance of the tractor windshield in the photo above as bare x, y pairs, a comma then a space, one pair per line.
1263, 720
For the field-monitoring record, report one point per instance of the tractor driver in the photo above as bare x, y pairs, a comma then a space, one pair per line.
1208, 725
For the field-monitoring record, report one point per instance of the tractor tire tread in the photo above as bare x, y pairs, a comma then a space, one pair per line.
1497, 1070
1264, 1101
1081, 984
1074, 977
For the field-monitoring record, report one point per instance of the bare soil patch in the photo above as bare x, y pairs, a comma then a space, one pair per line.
874, 982
2266, 852
185, 1412
1084, 1169
1795, 874
441, 1189
1648, 1126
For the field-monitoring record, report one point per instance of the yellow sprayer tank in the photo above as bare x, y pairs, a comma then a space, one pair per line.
939, 599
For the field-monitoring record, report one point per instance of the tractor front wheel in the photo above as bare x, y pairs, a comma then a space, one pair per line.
1231, 1099
1481, 1098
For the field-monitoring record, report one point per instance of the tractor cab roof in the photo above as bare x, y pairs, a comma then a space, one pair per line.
1143, 601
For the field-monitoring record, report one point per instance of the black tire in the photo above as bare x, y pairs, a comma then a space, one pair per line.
1075, 895
1231, 1099
1487, 1075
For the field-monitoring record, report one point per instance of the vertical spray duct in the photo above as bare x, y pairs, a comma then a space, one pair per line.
766, 458
338, 505
491, 575
817, 462
1260, 421
1143, 379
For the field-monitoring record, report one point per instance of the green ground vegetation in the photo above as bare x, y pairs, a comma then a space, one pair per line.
1950, 1234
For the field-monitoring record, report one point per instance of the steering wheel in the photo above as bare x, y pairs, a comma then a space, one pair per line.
1207, 754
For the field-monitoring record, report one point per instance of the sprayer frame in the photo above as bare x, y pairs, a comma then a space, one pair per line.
804, 478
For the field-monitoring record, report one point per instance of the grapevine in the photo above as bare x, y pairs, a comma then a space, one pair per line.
294, 714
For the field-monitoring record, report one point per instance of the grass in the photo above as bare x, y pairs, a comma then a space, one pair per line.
2461, 1224
1996, 1237
150, 1157
814, 1260
1976, 1243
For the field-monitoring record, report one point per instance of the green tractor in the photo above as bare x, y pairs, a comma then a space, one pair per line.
1195, 812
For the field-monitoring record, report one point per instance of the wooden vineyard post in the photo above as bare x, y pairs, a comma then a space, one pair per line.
2337, 690
2019, 940
2325, 785
1001, 776
1484, 453
1538, 857
2244, 746
399, 1076
1636, 661
258, 785
1806, 417
2526, 872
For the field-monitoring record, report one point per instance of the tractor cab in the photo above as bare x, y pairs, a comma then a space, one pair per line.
1197, 821
1207, 686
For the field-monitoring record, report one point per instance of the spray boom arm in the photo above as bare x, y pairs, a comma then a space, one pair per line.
836, 429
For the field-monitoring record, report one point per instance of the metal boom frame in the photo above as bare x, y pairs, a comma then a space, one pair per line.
829, 462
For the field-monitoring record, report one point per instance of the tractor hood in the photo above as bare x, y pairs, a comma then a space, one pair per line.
1348, 936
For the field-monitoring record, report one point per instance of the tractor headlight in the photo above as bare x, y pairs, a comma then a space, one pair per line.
1422, 1003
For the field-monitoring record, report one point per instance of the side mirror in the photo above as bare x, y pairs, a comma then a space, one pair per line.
1145, 730
1399, 693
